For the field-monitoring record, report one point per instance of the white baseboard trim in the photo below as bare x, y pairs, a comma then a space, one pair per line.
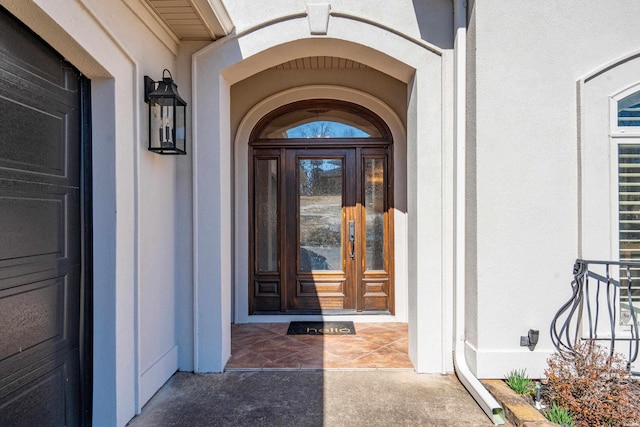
157, 374
496, 364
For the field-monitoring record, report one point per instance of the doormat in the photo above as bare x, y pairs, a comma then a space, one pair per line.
321, 328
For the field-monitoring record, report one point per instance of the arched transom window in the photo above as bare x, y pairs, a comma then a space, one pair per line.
320, 119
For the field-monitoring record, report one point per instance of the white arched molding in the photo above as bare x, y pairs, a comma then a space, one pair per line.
234, 58
249, 121
599, 136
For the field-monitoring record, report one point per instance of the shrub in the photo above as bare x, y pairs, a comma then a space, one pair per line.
519, 382
559, 415
594, 387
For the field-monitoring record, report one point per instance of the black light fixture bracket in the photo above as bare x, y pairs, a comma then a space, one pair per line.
149, 86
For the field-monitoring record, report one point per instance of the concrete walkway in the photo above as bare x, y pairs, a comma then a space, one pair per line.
312, 398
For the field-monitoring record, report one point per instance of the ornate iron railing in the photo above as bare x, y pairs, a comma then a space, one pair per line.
582, 318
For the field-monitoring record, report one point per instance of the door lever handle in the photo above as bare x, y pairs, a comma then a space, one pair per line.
352, 238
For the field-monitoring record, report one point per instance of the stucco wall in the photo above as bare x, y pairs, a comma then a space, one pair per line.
471, 302
528, 59
184, 218
248, 92
430, 20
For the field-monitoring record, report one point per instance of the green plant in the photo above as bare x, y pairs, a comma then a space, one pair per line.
519, 382
594, 386
560, 415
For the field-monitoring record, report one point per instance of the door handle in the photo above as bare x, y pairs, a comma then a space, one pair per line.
352, 238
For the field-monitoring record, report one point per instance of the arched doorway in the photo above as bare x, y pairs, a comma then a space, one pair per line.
226, 109
320, 198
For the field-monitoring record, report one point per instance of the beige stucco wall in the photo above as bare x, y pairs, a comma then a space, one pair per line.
429, 20
245, 94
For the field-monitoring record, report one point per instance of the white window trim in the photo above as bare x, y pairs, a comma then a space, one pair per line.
622, 331
599, 92
622, 131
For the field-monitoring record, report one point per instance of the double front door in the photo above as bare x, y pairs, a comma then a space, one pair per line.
321, 234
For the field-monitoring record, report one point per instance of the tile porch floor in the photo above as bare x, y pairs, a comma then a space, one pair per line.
267, 346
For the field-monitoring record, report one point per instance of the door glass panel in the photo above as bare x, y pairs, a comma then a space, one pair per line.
266, 197
374, 201
320, 212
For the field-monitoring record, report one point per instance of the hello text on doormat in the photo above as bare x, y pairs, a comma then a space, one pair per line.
321, 328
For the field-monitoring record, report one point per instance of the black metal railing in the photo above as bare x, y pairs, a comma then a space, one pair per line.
616, 284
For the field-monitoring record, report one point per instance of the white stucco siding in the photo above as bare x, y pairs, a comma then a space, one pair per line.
471, 301
528, 60
248, 92
425, 224
430, 20
184, 218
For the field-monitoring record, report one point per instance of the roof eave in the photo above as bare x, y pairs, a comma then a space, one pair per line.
214, 16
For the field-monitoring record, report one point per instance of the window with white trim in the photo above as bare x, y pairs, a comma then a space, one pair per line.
609, 160
629, 110
628, 190
629, 215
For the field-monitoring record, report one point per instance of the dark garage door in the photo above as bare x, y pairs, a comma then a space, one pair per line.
41, 239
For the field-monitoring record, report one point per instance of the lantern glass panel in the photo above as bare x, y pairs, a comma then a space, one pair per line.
180, 128
161, 126
167, 130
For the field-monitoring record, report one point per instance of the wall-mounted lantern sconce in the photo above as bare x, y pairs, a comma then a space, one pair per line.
167, 113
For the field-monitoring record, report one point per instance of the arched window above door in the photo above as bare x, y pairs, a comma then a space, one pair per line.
320, 119
629, 110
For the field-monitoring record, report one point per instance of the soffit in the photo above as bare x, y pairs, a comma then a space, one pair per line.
319, 62
193, 19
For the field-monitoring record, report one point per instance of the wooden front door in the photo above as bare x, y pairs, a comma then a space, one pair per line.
320, 225
337, 234
321, 235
